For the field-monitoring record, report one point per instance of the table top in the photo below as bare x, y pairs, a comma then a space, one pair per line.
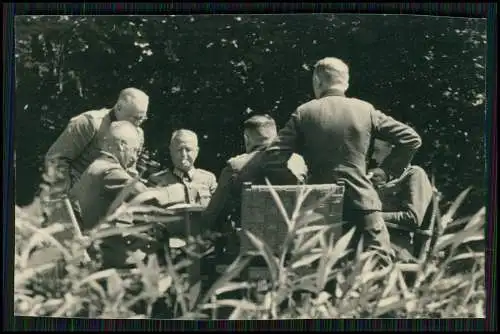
186, 208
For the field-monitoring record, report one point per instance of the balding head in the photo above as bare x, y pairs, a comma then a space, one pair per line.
123, 141
184, 149
259, 130
132, 106
330, 74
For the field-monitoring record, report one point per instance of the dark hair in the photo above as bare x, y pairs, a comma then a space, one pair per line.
372, 163
257, 122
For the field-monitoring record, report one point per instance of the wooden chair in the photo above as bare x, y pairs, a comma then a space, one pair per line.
260, 214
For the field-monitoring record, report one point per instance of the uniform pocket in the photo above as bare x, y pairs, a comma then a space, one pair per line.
204, 196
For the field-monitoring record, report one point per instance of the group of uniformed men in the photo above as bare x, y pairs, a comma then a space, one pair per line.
325, 140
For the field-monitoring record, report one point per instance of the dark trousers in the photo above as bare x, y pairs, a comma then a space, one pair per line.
371, 226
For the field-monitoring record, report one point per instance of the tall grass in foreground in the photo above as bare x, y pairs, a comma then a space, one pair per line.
313, 277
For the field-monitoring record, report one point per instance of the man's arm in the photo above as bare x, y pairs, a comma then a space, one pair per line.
415, 200
406, 141
284, 145
212, 184
219, 199
400, 218
70, 144
120, 187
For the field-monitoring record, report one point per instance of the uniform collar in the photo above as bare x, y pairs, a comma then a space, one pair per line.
181, 174
259, 147
332, 92
110, 156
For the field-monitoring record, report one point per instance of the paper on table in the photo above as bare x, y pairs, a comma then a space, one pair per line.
176, 243
187, 207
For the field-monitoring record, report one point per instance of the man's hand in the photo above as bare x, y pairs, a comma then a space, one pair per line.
298, 167
84, 241
133, 172
377, 176
57, 177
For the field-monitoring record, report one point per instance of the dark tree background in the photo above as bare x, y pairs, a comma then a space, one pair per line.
208, 73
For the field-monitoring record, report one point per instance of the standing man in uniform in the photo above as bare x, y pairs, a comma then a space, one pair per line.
80, 142
333, 133
197, 184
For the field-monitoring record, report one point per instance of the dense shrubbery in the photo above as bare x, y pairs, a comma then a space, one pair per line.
319, 279
208, 72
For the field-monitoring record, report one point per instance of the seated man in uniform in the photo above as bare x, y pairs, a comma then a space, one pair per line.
224, 208
405, 201
195, 184
100, 184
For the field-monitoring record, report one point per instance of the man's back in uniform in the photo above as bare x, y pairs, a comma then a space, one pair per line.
334, 134
259, 132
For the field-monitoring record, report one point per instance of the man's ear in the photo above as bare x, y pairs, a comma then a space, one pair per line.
122, 146
246, 140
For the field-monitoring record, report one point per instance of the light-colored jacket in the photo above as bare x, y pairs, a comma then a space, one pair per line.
81, 141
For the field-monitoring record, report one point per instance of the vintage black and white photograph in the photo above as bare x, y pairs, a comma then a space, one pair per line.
250, 167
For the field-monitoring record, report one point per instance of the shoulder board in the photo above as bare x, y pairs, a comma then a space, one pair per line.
160, 173
94, 116
236, 158
97, 114
203, 171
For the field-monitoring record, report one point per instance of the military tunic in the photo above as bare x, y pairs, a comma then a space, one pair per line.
226, 200
406, 199
92, 196
98, 187
406, 202
81, 141
198, 184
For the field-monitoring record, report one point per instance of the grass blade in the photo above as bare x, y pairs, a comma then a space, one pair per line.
307, 217
391, 283
280, 205
466, 256
266, 253
231, 272
312, 242
301, 197
333, 255
387, 305
47, 237
450, 214
241, 304
232, 287
309, 229
454, 239
306, 260
478, 220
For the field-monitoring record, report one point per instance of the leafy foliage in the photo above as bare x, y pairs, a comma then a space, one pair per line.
209, 72
312, 278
